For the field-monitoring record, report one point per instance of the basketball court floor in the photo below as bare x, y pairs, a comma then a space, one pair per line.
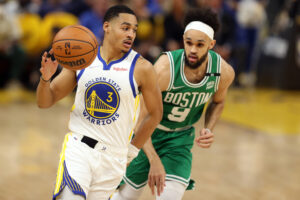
255, 156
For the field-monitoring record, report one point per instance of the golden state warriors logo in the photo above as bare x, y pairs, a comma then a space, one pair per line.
101, 100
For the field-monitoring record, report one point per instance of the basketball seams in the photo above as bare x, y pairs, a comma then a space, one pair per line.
81, 39
76, 55
77, 41
73, 40
88, 63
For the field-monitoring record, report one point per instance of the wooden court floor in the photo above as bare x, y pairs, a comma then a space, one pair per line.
256, 154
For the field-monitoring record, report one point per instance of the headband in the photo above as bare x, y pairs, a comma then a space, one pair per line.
200, 26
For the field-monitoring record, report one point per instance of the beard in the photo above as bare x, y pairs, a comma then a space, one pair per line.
196, 64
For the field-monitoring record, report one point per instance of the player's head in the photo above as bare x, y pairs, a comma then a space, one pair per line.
120, 25
200, 26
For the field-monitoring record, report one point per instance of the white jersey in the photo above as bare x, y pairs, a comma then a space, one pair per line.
106, 102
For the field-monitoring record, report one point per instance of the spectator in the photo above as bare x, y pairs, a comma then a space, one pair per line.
173, 25
93, 18
11, 68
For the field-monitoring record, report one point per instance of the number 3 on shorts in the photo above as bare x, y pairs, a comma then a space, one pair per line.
178, 114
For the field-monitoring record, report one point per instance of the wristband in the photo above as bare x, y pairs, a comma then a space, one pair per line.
44, 79
207, 129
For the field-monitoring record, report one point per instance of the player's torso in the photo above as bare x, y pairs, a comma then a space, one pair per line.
183, 101
105, 105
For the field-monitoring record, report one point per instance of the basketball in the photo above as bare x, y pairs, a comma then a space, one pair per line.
75, 47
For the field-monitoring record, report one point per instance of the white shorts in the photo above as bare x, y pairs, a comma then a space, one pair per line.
91, 172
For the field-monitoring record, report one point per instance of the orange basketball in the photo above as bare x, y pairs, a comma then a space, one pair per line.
75, 47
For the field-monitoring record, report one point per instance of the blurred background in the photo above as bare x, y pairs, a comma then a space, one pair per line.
256, 154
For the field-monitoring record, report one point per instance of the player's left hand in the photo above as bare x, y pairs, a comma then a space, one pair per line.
156, 176
205, 139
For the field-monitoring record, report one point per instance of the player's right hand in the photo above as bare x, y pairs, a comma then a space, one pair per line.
156, 176
48, 67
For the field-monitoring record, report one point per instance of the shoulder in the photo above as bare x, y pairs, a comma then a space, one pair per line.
227, 73
142, 68
162, 65
143, 64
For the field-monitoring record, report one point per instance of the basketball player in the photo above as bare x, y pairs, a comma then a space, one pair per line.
188, 79
96, 151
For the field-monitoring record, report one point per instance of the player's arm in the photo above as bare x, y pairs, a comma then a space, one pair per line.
49, 92
215, 107
156, 176
147, 81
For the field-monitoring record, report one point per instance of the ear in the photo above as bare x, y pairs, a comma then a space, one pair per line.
106, 27
212, 44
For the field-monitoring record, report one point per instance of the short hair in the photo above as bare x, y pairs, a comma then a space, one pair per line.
114, 11
203, 14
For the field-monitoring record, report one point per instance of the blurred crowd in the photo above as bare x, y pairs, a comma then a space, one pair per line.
27, 28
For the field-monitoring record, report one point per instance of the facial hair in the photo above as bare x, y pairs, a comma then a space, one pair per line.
196, 64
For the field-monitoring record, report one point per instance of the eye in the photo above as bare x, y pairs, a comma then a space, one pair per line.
126, 28
188, 43
200, 45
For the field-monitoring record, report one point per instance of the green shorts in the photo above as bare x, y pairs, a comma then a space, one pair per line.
174, 150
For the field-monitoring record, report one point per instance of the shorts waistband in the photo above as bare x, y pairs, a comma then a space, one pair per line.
162, 127
99, 145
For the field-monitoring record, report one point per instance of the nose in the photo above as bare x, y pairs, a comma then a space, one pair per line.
131, 34
194, 49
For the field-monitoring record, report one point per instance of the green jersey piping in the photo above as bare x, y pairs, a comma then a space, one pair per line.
177, 179
218, 71
136, 186
172, 67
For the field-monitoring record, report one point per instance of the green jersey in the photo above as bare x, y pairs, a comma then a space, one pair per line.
183, 102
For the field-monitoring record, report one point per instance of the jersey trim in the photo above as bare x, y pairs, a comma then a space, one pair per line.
203, 81
60, 170
177, 179
80, 74
132, 184
218, 71
136, 106
172, 68
108, 66
71, 183
63, 177
131, 74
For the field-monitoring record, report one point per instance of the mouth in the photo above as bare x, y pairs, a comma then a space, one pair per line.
127, 43
192, 58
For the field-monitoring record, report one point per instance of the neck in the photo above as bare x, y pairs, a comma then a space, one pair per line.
109, 53
197, 74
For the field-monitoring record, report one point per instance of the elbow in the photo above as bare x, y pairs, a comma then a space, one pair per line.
43, 106
156, 115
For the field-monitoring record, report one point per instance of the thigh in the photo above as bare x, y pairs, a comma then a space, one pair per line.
74, 171
137, 172
178, 165
174, 150
107, 176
